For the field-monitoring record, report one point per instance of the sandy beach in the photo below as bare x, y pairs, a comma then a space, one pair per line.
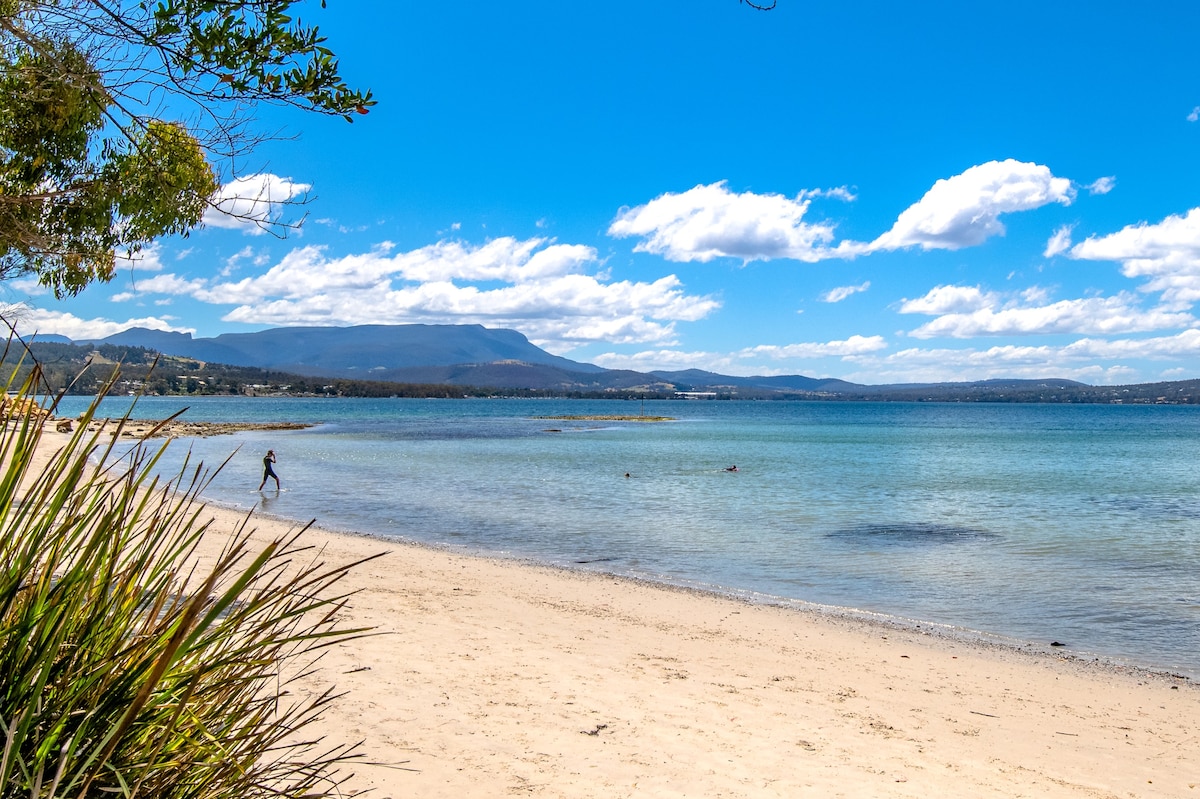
495, 678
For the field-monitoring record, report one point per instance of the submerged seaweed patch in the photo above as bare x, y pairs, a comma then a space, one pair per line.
1152, 507
910, 533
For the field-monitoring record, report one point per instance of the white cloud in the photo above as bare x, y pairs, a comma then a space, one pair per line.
568, 308
1166, 253
253, 204
148, 259
333, 224
855, 345
35, 320
28, 285
308, 271
842, 292
1091, 315
964, 210
668, 361
247, 253
1102, 185
1195, 115
953, 365
1058, 243
166, 283
764, 359
1089, 360
708, 222
949, 299
549, 291
504, 259
1183, 344
842, 193
1034, 294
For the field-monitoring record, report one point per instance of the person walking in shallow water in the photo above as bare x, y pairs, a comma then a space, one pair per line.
268, 472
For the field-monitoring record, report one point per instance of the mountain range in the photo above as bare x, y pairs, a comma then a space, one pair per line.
473, 355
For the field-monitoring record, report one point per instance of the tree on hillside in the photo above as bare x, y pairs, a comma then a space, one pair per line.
116, 117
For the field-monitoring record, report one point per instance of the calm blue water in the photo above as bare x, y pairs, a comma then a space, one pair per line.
1078, 524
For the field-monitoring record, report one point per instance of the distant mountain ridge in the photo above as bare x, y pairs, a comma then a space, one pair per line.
466, 355
473, 355
360, 351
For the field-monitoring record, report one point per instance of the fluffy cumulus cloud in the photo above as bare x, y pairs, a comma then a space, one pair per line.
964, 210
1165, 254
551, 292
254, 203
166, 283
842, 292
967, 311
949, 299
30, 321
708, 222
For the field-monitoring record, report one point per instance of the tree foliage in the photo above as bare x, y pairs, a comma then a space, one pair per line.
117, 116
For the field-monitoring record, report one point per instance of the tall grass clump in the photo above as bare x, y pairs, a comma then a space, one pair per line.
129, 667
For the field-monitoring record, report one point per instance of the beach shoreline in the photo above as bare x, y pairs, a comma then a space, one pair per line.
854, 616
1036, 650
497, 677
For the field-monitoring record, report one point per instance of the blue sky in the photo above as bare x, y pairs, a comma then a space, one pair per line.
877, 191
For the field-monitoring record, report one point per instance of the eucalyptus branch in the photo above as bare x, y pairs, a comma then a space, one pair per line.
87, 159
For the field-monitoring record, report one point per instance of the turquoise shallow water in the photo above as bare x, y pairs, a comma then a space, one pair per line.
1077, 524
